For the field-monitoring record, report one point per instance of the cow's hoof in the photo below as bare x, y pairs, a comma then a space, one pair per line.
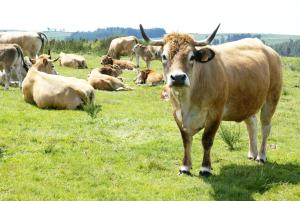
204, 173
251, 158
184, 172
262, 161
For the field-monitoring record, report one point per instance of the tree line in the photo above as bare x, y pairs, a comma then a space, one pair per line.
290, 48
100, 46
116, 31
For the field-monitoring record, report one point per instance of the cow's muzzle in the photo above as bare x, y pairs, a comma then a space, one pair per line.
178, 80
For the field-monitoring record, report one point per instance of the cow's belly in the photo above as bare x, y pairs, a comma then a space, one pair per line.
240, 111
56, 97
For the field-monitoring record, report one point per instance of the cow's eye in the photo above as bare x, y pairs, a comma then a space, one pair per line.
191, 58
164, 58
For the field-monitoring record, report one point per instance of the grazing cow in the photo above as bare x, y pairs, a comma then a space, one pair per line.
148, 53
72, 60
106, 82
149, 77
107, 60
112, 70
12, 59
122, 45
54, 91
32, 43
229, 82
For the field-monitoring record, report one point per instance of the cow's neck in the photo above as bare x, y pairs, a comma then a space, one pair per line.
190, 115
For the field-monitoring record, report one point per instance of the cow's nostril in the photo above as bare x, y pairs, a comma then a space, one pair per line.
183, 77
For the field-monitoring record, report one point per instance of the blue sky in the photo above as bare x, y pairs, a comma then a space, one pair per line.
192, 16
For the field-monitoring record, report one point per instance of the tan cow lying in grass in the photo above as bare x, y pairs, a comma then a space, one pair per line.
122, 63
106, 82
47, 90
149, 77
72, 60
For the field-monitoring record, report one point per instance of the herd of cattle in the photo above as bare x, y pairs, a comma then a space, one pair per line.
206, 84
15, 45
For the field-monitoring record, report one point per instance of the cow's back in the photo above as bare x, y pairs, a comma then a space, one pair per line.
28, 41
252, 69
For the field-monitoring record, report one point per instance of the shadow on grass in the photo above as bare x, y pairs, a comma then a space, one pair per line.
240, 182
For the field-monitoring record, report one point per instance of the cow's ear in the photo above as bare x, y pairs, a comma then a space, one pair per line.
204, 55
33, 61
45, 61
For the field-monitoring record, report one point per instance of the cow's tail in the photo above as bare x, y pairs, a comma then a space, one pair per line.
44, 40
20, 54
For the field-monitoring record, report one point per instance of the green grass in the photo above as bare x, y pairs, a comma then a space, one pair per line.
133, 149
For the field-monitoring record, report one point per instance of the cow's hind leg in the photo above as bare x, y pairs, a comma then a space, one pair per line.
251, 124
266, 114
148, 64
7, 78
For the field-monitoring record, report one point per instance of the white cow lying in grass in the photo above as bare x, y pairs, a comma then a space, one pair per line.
47, 90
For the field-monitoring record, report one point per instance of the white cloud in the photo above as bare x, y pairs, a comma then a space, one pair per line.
263, 16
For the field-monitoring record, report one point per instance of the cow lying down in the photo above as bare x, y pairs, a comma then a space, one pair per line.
149, 77
72, 60
112, 70
47, 90
106, 60
106, 82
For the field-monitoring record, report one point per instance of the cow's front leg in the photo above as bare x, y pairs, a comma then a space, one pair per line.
208, 136
187, 141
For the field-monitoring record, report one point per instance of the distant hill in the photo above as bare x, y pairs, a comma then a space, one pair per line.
116, 31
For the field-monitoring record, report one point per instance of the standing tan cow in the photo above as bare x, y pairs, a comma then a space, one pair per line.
54, 91
32, 43
12, 59
122, 45
229, 82
148, 53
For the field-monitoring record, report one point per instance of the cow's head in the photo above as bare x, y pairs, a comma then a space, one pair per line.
112, 70
44, 64
179, 56
107, 60
142, 76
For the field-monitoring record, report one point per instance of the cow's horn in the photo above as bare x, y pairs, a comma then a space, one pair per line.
54, 60
208, 40
152, 42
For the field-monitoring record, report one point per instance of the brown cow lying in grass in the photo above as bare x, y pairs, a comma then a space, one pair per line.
122, 63
149, 77
112, 70
106, 82
47, 90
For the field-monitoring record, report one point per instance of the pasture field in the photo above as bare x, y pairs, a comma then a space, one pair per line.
133, 150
